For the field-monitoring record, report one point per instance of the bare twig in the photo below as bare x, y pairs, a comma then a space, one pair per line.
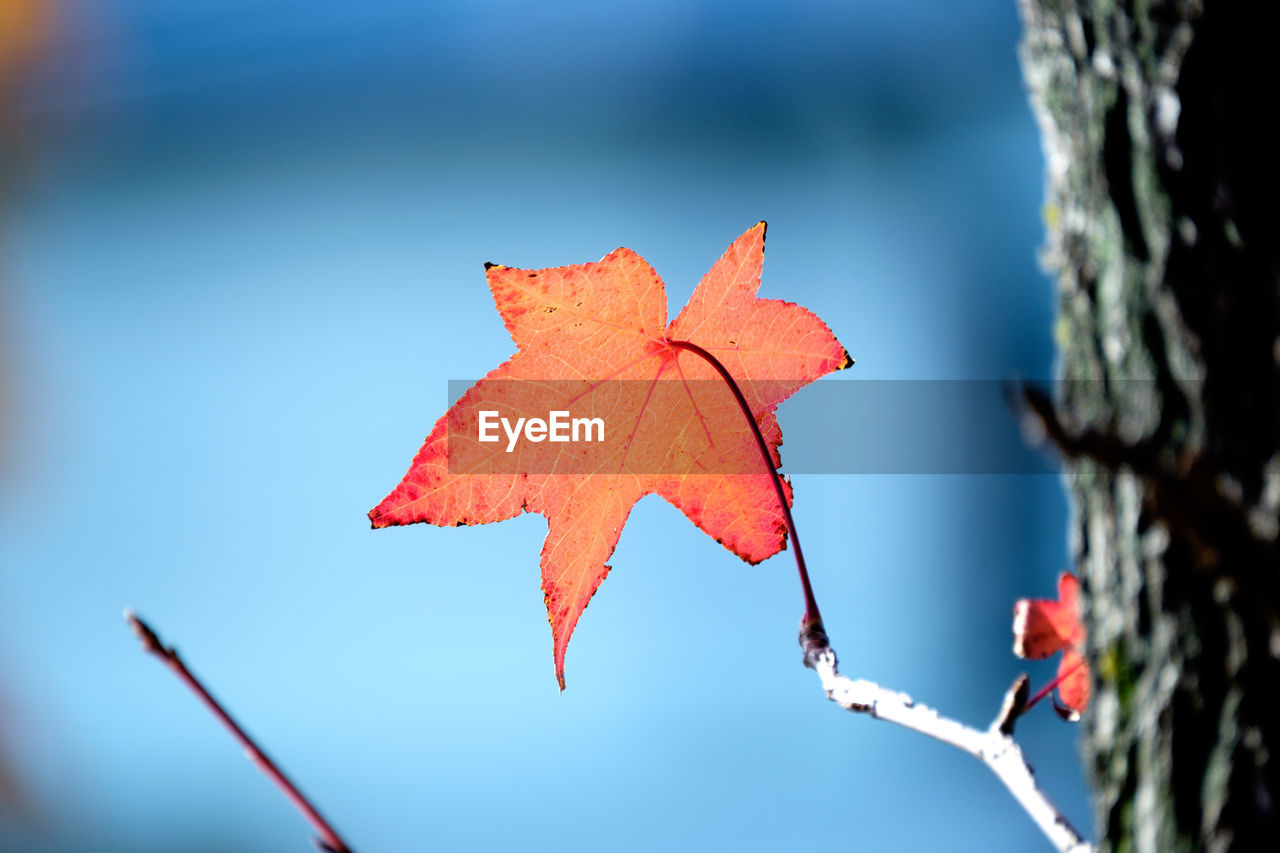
328, 840
994, 747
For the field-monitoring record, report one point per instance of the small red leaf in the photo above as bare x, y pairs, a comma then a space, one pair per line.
1043, 627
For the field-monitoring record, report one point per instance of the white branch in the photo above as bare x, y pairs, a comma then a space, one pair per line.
994, 747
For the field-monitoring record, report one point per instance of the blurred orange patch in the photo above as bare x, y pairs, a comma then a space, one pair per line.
25, 27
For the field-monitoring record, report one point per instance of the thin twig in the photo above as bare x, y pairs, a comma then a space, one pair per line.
994, 747
329, 839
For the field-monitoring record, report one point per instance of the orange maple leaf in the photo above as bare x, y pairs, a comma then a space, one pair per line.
1043, 627
593, 339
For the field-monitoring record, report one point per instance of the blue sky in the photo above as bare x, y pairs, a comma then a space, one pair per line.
241, 264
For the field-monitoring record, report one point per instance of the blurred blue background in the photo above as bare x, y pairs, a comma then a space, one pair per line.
242, 248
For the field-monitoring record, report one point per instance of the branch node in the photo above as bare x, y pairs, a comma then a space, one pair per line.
814, 641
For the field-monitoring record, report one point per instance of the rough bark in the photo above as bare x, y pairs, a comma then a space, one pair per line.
1163, 211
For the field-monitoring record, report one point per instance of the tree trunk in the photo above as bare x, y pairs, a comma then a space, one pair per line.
1163, 214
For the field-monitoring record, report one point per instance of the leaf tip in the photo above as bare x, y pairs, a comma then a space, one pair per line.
489, 265
846, 360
